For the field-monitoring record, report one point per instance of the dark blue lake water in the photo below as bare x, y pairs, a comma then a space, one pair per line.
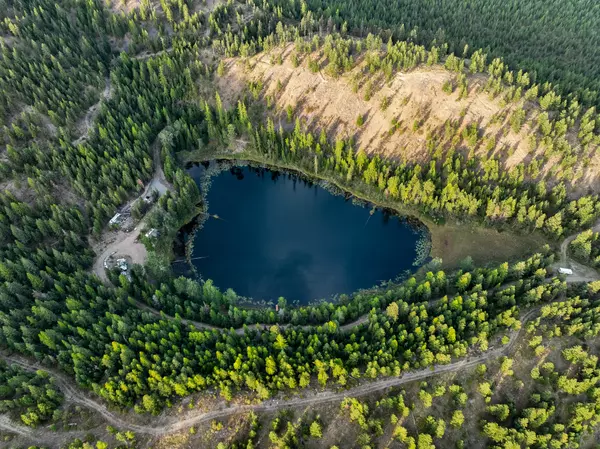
278, 235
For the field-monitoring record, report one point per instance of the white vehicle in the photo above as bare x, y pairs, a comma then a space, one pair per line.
122, 264
152, 233
566, 271
115, 220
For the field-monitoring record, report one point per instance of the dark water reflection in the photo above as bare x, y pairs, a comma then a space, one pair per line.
278, 235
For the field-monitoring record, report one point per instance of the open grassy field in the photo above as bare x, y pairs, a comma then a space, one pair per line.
452, 242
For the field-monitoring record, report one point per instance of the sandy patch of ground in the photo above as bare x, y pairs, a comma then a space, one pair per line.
323, 102
50, 127
58, 188
20, 189
115, 244
126, 6
8, 40
204, 5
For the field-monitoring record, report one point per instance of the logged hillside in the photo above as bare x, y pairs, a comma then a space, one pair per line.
411, 115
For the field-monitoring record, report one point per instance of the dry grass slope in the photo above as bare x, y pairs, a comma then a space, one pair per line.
323, 102
333, 104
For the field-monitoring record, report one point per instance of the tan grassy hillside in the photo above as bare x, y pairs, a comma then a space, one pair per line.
419, 105
126, 6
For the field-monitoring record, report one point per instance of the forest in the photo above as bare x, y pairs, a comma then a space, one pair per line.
97, 96
552, 40
585, 247
31, 396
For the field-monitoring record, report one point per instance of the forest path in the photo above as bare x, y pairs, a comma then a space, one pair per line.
168, 424
265, 326
148, 55
240, 330
85, 124
581, 272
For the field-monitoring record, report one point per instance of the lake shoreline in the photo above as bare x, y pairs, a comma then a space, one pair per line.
421, 238
451, 240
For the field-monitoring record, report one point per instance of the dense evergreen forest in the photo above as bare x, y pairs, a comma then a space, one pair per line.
554, 40
95, 99
31, 396
585, 247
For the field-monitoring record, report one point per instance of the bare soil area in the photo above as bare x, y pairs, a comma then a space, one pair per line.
120, 243
126, 6
323, 102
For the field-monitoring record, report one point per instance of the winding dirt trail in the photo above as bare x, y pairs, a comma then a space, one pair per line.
261, 326
240, 330
7, 424
86, 124
143, 56
165, 424
581, 272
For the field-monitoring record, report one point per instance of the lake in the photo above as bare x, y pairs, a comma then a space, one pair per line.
273, 234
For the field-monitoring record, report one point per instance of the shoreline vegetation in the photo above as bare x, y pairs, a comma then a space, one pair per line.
218, 165
452, 239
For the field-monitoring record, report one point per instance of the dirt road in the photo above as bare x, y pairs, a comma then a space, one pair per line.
143, 56
165, 424
581, 272
123, 243
120, 243
240, 330
85, 124
343, 328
